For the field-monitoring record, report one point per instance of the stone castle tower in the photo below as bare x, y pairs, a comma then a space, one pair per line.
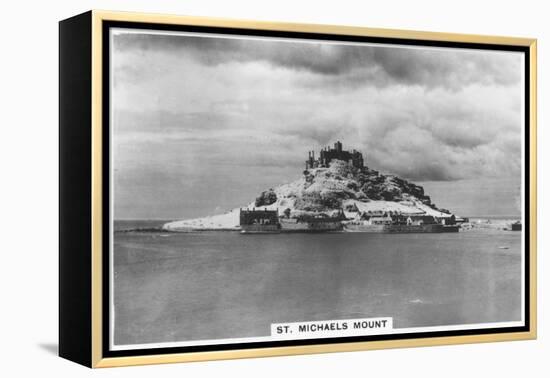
327, 154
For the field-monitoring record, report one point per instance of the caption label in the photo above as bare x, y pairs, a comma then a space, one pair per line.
331, 328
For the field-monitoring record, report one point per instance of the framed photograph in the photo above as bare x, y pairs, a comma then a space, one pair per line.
235, 189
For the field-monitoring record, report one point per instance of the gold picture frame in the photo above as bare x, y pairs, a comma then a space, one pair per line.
82, 206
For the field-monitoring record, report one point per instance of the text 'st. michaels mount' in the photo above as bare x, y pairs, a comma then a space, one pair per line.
336, 185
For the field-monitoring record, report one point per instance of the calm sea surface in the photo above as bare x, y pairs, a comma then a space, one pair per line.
212, 285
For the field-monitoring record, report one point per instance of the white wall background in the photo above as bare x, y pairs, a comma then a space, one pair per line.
29, 216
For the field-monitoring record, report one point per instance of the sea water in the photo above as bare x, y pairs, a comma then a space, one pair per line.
217, 285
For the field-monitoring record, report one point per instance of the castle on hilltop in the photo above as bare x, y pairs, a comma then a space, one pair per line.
328, 154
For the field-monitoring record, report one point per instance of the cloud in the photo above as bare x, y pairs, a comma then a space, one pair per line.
429, 67
442, 135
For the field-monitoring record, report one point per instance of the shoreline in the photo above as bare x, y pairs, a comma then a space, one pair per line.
479, 225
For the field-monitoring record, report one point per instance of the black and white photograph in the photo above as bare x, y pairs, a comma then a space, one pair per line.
268, 189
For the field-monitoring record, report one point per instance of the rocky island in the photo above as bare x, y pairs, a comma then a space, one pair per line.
336, 185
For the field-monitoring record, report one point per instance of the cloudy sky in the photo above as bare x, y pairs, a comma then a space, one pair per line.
201, 124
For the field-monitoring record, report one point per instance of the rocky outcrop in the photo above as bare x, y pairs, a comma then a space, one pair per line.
327, 188
266, 198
